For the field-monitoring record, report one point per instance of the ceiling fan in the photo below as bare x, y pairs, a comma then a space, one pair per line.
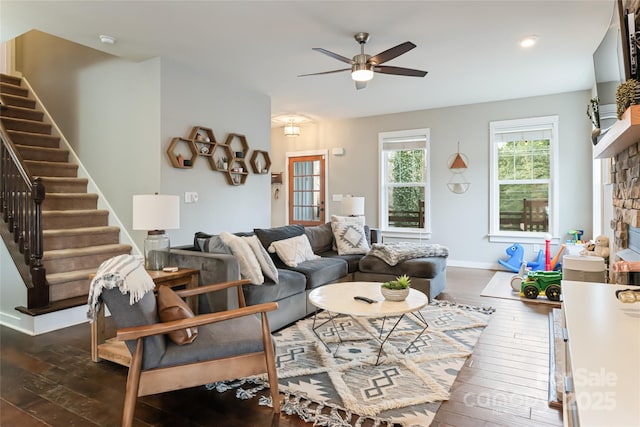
363, 66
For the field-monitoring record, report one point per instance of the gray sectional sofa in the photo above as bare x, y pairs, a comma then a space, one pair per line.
428, 274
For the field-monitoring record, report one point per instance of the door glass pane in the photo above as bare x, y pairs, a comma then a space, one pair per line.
308, 204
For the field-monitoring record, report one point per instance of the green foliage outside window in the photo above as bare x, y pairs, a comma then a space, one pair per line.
406, 167
524, 170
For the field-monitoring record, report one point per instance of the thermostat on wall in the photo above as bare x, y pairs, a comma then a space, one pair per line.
337, 151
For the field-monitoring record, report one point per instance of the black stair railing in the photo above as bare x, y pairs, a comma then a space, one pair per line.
21, 200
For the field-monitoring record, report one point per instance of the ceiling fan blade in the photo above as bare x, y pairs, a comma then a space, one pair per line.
325, 72
399, 71
361, 85
333, 55
394, 52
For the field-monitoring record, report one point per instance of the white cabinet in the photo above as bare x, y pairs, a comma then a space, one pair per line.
602, 356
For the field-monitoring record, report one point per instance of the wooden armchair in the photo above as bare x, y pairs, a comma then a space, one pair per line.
230, 344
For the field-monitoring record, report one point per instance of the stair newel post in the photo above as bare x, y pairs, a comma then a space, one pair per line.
38, 295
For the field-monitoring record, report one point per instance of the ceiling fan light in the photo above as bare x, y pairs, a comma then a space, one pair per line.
361, 72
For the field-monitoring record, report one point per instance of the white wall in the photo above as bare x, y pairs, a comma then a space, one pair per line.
459, 221
193, 98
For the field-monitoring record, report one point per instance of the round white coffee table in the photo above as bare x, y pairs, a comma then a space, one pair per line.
338, 299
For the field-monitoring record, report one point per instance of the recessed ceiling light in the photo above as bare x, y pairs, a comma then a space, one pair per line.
528, 41
107, 39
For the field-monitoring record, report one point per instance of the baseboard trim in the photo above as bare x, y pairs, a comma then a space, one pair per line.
49, 322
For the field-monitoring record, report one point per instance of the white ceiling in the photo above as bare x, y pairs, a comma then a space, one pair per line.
470, 48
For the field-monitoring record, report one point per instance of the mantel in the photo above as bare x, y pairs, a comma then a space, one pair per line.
621, 135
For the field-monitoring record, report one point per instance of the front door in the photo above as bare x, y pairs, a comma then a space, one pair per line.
306, 190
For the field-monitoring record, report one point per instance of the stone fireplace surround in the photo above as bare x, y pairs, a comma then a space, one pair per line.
625, 177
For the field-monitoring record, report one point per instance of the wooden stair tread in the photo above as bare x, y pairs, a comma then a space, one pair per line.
21, 112
40, 148
29, 126
79, 230
55, 164
73, 212
40, 136
10, 99
72, 195
88, 251
58, 278
63, 179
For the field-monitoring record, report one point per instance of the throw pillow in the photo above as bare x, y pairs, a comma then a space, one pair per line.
270, 235
350, 219
320, 237
172, 307
216, 245
249, 265
350, 238
294, 250
266, 263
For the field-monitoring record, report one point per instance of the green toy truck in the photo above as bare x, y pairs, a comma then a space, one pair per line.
542, 282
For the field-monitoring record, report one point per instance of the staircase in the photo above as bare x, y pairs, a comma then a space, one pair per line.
76, 236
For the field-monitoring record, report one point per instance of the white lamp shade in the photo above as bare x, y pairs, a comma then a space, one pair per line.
353, 206
156, 212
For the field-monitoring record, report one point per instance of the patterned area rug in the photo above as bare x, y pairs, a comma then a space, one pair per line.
346, 388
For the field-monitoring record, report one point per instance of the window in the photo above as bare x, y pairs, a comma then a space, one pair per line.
404, 181
524, 179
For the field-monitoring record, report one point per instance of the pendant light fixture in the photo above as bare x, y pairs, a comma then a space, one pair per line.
291, 129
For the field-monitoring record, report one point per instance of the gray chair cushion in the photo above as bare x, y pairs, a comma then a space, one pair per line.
215, 341
144, 312
322, 271
427, 267
291, 283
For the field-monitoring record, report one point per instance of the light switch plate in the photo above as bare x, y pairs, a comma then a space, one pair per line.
190, 197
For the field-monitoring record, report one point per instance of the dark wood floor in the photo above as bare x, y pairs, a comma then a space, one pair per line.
50, 380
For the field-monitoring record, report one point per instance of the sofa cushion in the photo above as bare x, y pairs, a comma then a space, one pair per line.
320, 237
353, 260
322, 271
427, 267
291, 283
294, 250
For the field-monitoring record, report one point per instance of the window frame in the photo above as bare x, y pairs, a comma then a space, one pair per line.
383, 212
523, 125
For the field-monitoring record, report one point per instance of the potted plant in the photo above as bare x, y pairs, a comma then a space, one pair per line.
396, 290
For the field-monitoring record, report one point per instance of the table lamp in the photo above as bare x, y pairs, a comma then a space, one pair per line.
156, 213
353, 206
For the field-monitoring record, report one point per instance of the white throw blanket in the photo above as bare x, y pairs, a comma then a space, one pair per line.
396, 252
125, 272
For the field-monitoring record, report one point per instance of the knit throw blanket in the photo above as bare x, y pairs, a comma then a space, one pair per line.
127, 273
396, 252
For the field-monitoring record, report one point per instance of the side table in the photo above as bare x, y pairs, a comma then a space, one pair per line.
108, 348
